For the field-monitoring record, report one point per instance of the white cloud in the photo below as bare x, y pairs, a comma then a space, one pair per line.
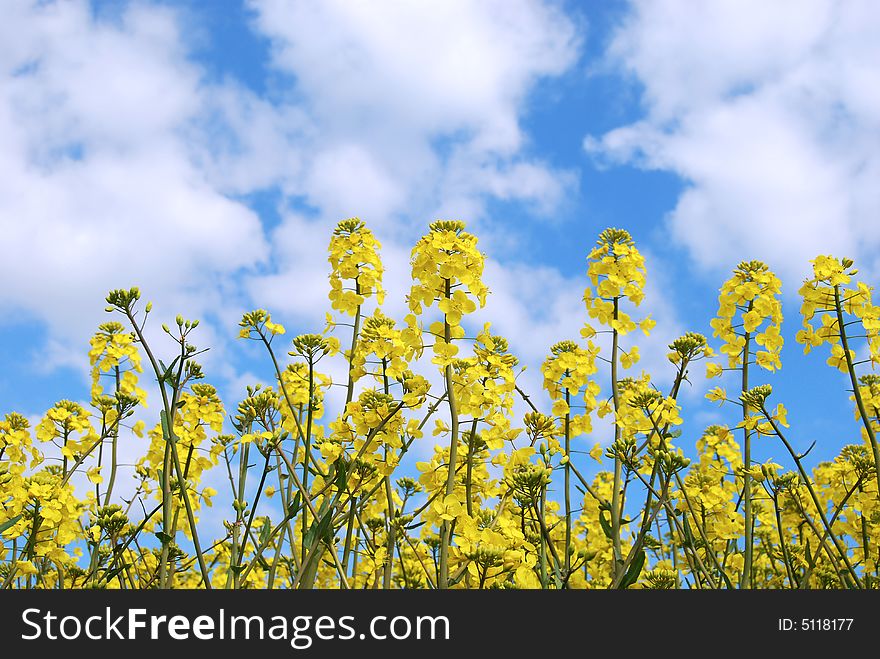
118, 161
415, 105
118, 189
419, 68
299, 286
119, 155
244, 142
415, 113
98, 185
347, 180
770, 112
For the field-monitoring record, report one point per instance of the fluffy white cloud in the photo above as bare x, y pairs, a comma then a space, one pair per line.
98, 186
120, 160
770, 112
415, 105
410, 69
414, 113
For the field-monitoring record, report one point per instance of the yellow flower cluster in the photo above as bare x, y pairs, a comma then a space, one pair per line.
447, 268
381, 340
617, 271
832, 287
494, 505
114, 349
68, 424
354, 255
258, 323
484, 388
712, 487
16, 449
50, 516
567, 372
644, 410
199, 411
750, 300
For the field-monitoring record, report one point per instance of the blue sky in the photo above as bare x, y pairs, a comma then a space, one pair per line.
204, 150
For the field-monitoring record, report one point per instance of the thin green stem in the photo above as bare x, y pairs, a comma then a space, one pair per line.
616, 503
445, 527
860, 403
748, 553
809, 485
567, 485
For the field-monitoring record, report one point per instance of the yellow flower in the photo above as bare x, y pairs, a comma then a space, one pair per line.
354, 256
630, 358
750, 298
717, 394
94, 475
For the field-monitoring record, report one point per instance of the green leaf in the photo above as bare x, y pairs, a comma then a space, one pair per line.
688, 534
166, 432
325, 505
319, 530
452, 581
635, 569
169, 372
341, 476
293, 509
264, 532
9, 523
164, 538
605, 524
112, 573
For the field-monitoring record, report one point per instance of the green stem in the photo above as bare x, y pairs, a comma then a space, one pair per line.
231, 579
746, 580
545, 533
445, 527
114, 438
349, 395
789, 570
809, 485
349, 535
850, 367
250, 521
567, 493
469, 475
349, 391
616, 504
389, 501
308, 450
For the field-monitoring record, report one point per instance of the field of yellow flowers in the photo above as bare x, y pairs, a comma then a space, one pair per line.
503, 501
